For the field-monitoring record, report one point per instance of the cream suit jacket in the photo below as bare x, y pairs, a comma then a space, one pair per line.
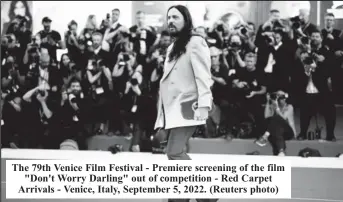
186, 82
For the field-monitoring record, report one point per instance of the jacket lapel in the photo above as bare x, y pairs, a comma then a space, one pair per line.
169, 67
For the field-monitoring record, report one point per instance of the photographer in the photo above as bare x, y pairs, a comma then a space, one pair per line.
40, 119
122, 45
127, 74
271, 24
313, 79
234, 50
217, 34
280, 122
70, 39
112, 33
100, 85
69, 69
42, 72
51, 39
19, 28
143, 37
247, 33
301, 24
331, 36
248, 89
10, 76
275, 59
73, 113
33, 49
157, 56
9, 47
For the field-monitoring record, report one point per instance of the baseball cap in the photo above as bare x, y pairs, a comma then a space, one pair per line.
46, 19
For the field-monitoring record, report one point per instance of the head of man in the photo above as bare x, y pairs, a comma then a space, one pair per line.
115, 15
97, 39
274, 15
304, 16
140, 18
179, 21
165, 39
329, 21
250, 61
316, 38
46, 22
278, 36
73, 27
75, 86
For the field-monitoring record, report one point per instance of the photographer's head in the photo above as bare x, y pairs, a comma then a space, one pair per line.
46, 22
279, 96
278, 36
274, 15
316, 39
74, 86
179, 21
115, 15
96, 39
304, 15
235, 41
250, 61
65, 60
72, 27
165, 40
329, 21
140, 17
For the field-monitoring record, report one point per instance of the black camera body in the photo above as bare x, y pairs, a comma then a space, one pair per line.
296, 22
276, 96
220, 28
134, 82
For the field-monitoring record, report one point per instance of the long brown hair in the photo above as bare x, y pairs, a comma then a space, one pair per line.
185, 34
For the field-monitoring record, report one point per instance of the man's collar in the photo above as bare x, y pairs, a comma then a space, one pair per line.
114, 25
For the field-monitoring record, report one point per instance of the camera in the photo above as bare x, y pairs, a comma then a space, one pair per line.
41, 93
108, 16
276, 96
134, 82
296, 23
310, 59
126, 57
305, 40
220, 28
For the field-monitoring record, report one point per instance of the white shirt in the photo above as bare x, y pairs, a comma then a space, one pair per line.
311, 88
96, 51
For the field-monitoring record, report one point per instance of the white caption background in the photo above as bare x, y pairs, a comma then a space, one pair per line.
42, 176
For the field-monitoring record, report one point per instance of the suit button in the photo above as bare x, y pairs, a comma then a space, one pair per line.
171, 82
174, 97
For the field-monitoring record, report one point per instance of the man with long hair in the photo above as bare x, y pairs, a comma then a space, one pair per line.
185, 97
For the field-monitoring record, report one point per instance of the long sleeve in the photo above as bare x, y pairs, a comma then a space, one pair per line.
201, 64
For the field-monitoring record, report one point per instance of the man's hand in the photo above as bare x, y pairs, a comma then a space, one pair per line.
43, 98
330, 36
320, 58
252, 94
201, 114
339, 53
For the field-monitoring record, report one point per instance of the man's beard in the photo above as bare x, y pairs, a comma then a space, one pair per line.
175, 32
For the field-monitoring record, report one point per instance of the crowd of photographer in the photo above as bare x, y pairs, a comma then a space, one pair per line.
108, 81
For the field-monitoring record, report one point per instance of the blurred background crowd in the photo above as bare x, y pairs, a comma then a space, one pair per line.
103, 78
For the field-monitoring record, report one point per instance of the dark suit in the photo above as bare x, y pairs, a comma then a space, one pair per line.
321, 102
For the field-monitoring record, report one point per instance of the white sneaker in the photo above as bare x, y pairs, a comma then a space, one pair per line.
135, 148
282, 154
